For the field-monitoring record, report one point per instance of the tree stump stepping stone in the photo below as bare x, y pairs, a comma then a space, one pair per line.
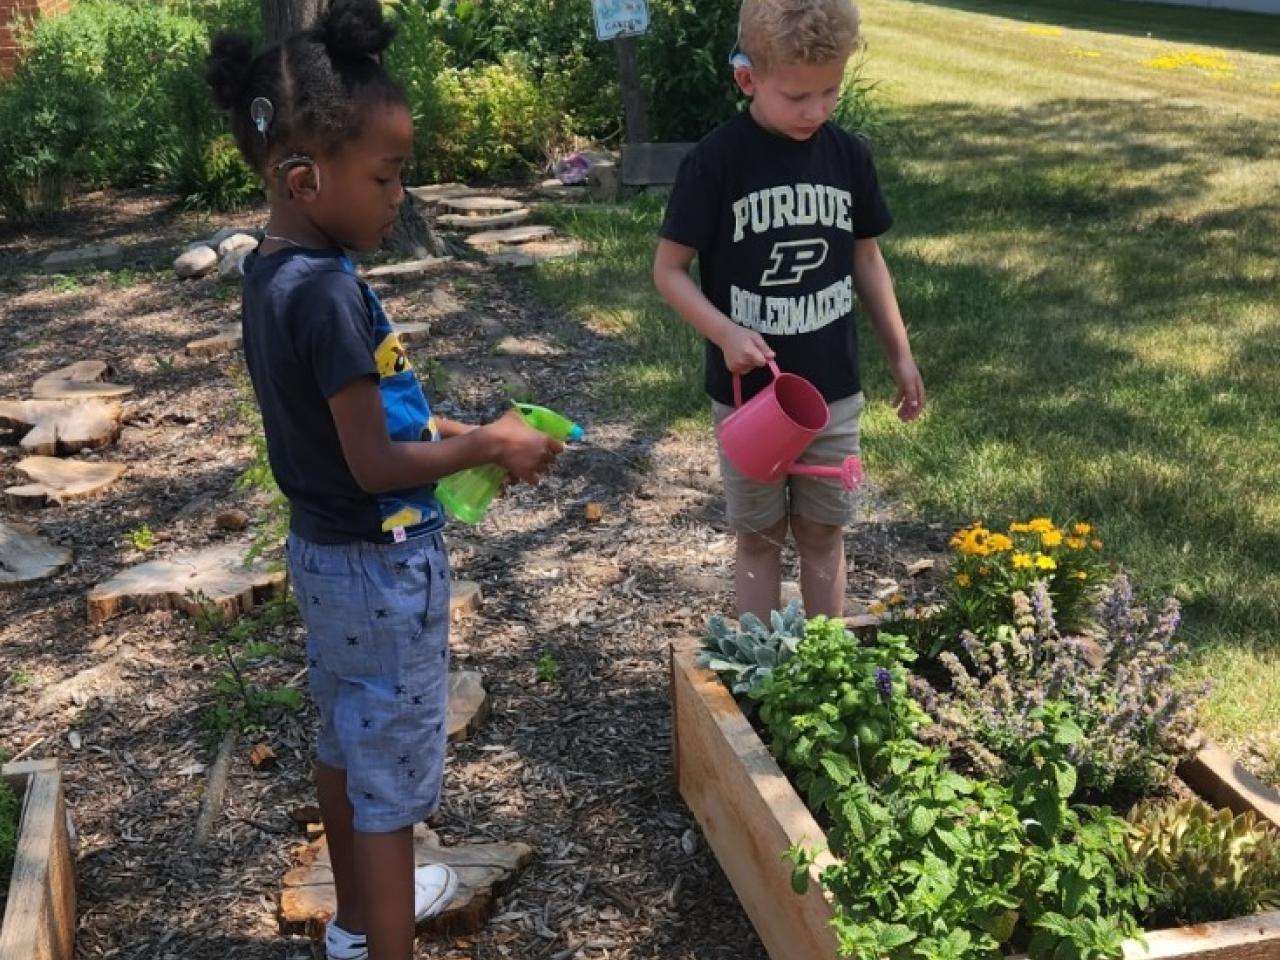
532, 254
403, 272
214, 578
60, 427
80, 380
52, 479
485, 871
433, 193
98, 256
476, 205
26, 557
467, 222
468, 704
514, 235
227, 338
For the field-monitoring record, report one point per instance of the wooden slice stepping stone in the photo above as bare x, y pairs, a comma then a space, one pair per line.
532, 254
434, 193
26, 557
60, 427
79, 380
402, 272
476, 206
485, 871
227, 338
468, 704
467, 222
100, 256
495, 238
52, 479
465, 597
214, 578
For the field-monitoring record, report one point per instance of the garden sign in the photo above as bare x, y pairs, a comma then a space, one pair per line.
620, 18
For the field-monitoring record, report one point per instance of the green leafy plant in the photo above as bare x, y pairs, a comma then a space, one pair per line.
142, 538
744, 656
20, 679
10, 813
547, 669
1205, 864
165, 365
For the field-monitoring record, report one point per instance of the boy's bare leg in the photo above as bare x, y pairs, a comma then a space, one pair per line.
335, 810
758, 570
822, 567
384, 869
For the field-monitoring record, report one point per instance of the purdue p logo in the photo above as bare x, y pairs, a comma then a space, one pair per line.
792, 259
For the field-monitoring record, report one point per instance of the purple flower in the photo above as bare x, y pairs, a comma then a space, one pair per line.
884, 683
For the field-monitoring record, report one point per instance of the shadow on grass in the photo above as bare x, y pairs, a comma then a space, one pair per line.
1254, 32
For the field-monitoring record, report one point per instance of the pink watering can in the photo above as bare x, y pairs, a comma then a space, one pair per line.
764, 436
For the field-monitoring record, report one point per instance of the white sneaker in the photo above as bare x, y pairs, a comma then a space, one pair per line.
434, 887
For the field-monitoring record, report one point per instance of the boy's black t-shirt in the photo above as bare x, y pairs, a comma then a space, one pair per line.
310, 328
774, 221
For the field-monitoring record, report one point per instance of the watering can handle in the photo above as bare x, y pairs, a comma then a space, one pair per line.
737, 382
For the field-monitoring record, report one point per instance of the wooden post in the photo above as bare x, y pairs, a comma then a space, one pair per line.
633, 105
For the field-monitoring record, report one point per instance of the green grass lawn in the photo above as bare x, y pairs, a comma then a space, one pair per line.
1087, 252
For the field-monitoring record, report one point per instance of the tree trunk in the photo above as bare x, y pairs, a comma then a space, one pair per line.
633, 105
413, 235
282, 18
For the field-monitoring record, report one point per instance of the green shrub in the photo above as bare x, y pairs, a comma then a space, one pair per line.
684, 59
10, 811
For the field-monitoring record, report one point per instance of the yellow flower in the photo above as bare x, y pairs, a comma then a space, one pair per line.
998, 543
1041, 525
1038, 31
1046, 563
962, 580
877, 609
1082, 529
896, 599
1052, 538
1076, 543
1080, 575
1021, 560
1019, 528
1096, 544
1213, 64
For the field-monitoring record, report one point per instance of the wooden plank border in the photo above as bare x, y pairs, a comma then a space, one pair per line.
750, 815
40, 917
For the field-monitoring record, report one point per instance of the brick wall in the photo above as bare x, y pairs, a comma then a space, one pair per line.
12, 10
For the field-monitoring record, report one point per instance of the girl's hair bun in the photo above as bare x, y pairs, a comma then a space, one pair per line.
228, 68
355, 28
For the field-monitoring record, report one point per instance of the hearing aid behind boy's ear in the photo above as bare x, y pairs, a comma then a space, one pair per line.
737, 58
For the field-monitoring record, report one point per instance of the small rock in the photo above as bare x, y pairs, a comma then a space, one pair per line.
237, 243
196, 262
689, 842
232, 520
75, 739
221, 235
231, 267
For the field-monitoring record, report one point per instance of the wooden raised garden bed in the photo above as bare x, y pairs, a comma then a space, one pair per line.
751, 815
40, 916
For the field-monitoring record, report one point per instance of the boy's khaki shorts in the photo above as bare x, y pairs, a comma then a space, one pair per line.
751, 506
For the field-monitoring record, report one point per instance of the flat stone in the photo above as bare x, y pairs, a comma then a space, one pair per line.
26, 557
98, 256
61, 427
463, 222
485, 871
197, 261
434, 193
227, 338
555, 190
514, 235
80, 380
237, 243
468, 704
481, 205
57, 480
197, 580
409, 270
231, 267
226, 232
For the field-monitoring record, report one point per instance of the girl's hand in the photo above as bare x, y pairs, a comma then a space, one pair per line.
744, 350
522, 451
910, 398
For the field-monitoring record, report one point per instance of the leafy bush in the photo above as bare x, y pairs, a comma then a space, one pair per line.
1205, 864
684, 60
745, 657
1117, 685
10, 812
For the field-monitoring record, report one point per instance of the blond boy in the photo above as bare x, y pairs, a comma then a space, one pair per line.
782, 209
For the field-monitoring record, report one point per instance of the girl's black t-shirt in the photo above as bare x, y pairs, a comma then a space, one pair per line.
773, 221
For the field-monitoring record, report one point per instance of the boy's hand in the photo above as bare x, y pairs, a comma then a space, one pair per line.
744, 350
910, 398
522, 451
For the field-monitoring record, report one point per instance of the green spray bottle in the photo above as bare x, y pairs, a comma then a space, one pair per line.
466, 495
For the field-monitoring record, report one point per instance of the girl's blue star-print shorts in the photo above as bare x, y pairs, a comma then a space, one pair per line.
377, 618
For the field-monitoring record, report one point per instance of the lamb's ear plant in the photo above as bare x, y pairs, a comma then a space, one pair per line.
745, 656
1205, 864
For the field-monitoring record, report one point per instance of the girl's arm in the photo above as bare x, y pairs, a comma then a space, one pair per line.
875, 290
380, 464
744, 349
